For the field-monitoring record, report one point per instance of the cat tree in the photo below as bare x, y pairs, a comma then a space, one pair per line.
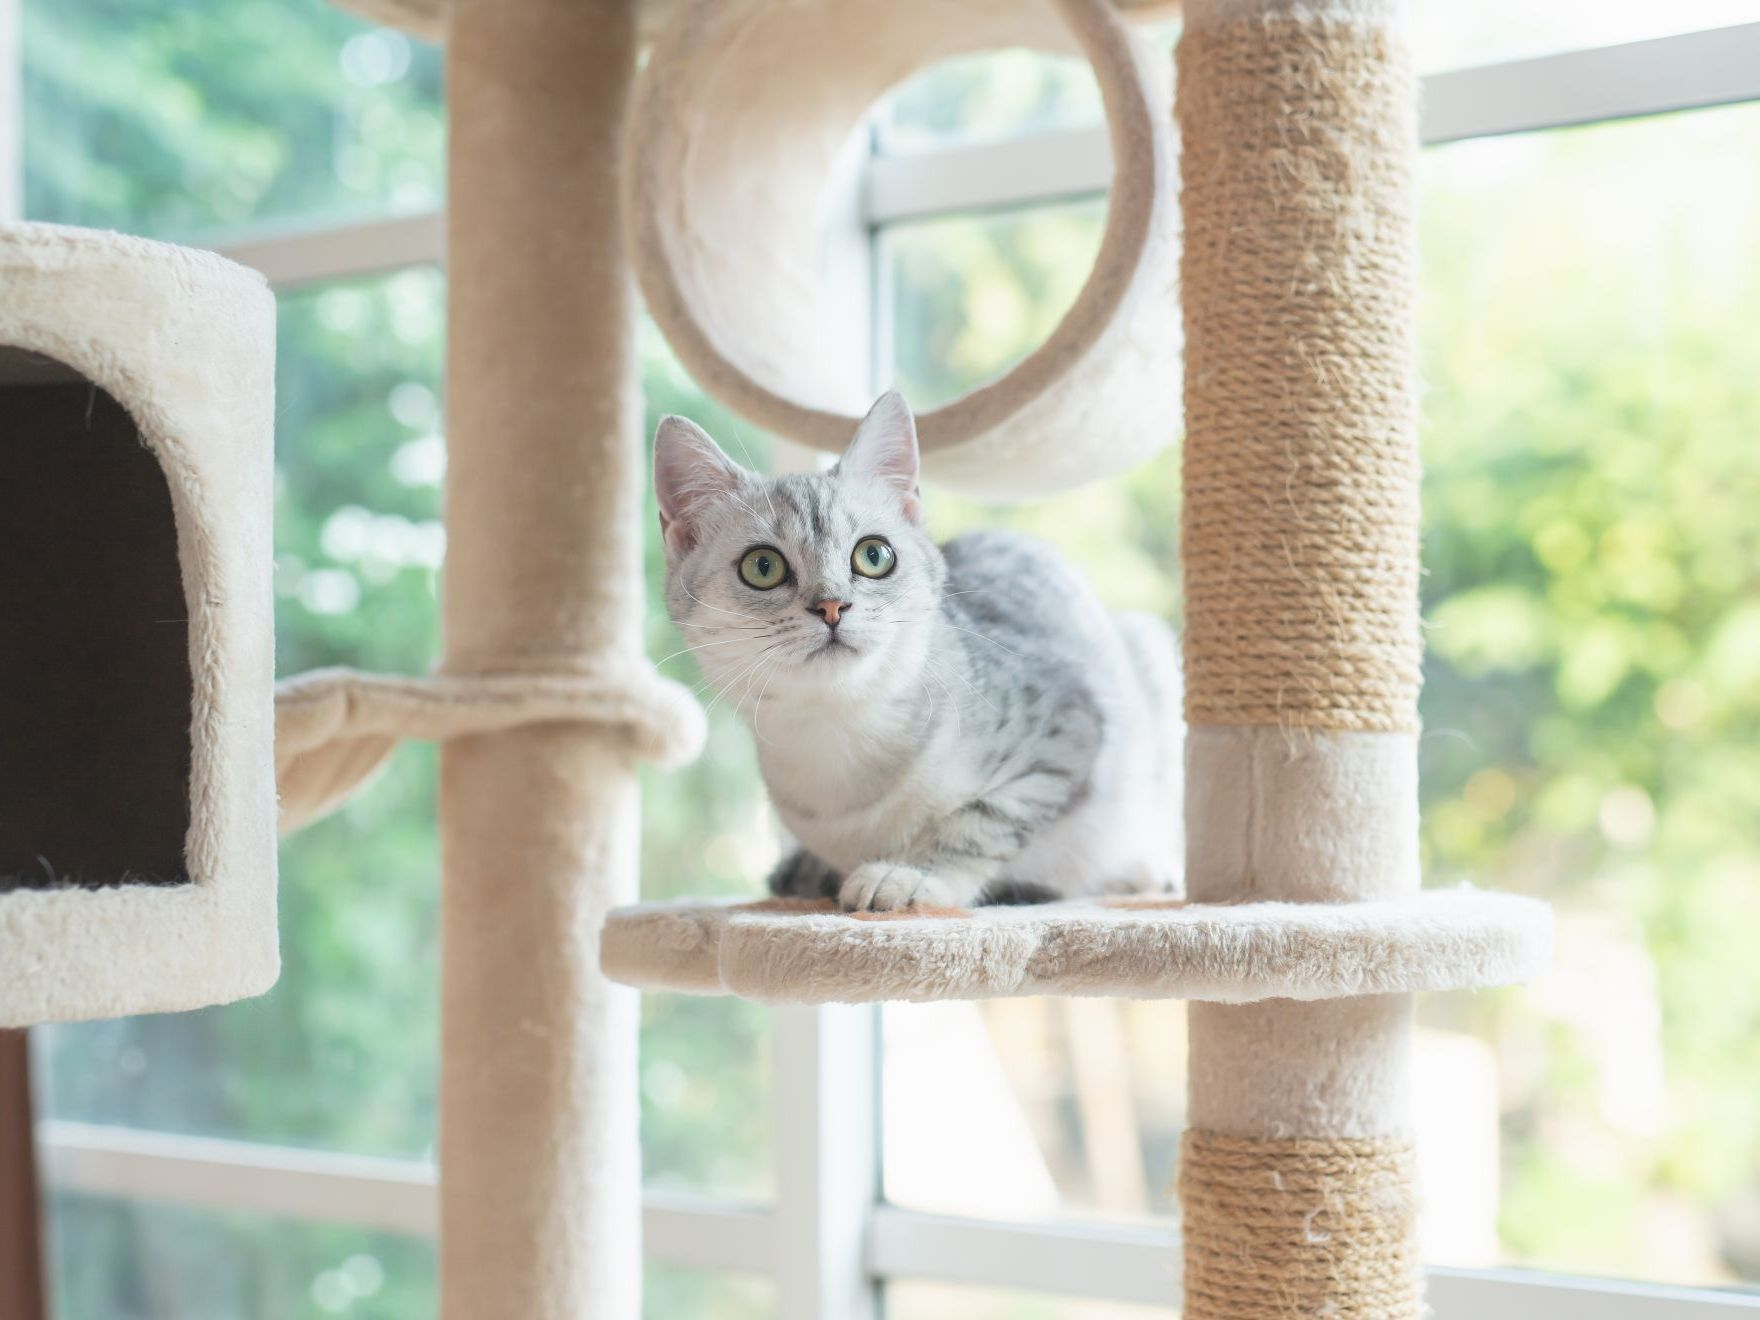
136, 859
1306, 933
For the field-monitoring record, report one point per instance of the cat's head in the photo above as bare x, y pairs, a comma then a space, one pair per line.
821, 583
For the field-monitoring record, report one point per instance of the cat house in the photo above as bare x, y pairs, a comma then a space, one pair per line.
137, 793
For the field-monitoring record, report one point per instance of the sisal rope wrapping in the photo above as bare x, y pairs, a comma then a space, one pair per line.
1300, 542
336, 728
1298, 1227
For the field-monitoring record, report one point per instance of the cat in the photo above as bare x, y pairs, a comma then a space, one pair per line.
936, 726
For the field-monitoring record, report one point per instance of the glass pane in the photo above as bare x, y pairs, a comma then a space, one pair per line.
1591, 704
1034, 1109
991, 95
137, 1260
359, 461
1050, 1107
973, 294
672, 1293
212, 115
143, 1260
996, 94
945, 1301
1591, 711
1451, 36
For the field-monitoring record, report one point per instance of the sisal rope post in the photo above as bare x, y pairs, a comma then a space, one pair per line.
539, 1185
1301, 646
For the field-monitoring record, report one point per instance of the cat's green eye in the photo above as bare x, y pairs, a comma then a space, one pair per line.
873, 557
763, 567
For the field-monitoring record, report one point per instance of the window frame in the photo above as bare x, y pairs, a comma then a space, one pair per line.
829, 1241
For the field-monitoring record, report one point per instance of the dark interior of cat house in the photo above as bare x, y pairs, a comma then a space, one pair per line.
95, 686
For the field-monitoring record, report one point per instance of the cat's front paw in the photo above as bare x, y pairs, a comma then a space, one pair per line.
888, 886
802, 875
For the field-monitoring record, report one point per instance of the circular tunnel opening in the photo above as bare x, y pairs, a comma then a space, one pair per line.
96, 691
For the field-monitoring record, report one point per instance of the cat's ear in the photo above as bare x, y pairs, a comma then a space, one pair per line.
885, 450
690, 474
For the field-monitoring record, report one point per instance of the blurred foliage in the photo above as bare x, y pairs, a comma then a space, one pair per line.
179, 119
162, 1261
1593, 687
173, 1261
972, 295
989, 95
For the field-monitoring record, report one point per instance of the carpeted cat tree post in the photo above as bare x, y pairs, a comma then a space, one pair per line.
1302, 647
544, 700
538, 1147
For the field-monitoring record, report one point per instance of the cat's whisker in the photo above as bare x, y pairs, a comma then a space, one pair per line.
958, 720
757, 517
721, 627
728, 686
700, 646
984, 637
758, 708
749, 677
969, 686
738, 614
710, 681
746, 450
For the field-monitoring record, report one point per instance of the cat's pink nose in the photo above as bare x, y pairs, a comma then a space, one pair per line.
829, 610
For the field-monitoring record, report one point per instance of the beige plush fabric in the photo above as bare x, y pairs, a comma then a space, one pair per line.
539, 1189
336, 728
741, 118
184, 343
1302, 646
1227, 953
1299, 814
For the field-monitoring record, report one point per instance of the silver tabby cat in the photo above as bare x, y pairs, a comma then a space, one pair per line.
937, 726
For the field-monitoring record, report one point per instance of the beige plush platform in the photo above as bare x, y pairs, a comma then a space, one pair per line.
792, 951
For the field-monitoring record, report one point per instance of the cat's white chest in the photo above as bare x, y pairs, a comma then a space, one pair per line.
849, 811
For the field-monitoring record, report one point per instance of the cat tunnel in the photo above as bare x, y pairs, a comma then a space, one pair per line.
137, 792
740, 124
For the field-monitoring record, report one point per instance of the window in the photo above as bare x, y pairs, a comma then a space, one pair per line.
1591, 707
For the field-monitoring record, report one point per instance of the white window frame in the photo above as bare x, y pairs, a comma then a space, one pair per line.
829, 1241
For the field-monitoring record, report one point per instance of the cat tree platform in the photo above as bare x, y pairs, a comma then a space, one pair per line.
795, 951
